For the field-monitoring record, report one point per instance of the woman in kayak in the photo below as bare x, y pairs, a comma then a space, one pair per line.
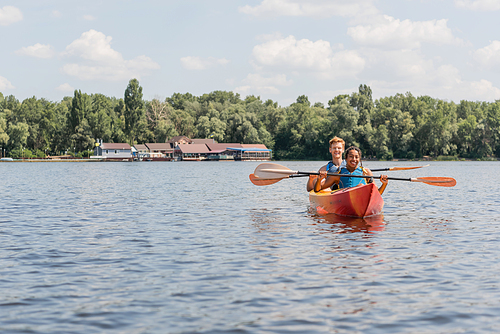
337, 146
353, 167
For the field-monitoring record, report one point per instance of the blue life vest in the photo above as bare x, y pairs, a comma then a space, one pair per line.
332, 168
348, 182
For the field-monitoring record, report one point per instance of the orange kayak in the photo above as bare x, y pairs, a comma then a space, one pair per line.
361, 201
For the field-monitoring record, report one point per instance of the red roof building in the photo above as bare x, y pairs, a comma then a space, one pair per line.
191, 152
221, 146
164, 148
174, 141
203, 141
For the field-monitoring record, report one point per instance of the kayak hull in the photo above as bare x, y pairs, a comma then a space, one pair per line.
361, 201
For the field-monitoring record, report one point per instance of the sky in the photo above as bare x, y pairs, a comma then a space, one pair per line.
275, 49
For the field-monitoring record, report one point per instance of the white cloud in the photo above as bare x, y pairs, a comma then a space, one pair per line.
65, 87
199, 63
294, 53
38, 50
56, 13
447, 82
9, 15
396, 34
480, 5
316, 8
89, 17
489, 56
443, 82
94, 46
397, 64
407, 70
259, 80
97, 60
478, 90
257, 84
5, 84
346, 63
305, 55
250, 90
482, 89
447, 77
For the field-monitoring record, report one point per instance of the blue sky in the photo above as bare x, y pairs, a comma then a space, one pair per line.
275, 49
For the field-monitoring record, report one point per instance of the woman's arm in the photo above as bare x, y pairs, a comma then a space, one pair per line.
383, 179
330, 180
311, 182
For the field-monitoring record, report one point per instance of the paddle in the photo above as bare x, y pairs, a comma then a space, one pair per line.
396, 168
265, 182
270, 171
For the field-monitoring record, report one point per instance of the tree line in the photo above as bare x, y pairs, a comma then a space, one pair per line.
400, 126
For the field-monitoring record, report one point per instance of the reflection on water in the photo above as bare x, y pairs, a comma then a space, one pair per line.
341, 224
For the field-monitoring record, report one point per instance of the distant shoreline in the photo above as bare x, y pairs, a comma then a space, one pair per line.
130, 160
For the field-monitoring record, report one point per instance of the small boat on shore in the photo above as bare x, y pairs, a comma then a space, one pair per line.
361, 201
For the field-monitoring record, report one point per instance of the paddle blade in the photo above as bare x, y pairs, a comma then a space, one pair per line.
408, 168
269, 170
436, 181
262, 182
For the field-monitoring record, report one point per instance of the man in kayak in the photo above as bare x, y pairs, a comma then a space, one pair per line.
353, 167
337, 146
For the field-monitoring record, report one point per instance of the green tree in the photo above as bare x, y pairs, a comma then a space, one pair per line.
298, 134
342, 121
18, 135
211, 128
164, 130
82, 138
59, 133
493, 126
379, 140
158, 115
221, 97
156, 111
4, 137
99, 119
118, 122
362, 102
134, 109
399, 126
303, 99
80, 106
183, 123
10, 107
178, 100
436, 134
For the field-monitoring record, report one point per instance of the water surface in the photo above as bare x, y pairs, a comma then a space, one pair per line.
194, 247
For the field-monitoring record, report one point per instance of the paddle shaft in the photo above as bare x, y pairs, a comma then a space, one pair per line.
290, 173
362, 176
270, 171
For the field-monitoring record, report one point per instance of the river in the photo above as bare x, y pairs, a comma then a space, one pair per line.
195, 247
